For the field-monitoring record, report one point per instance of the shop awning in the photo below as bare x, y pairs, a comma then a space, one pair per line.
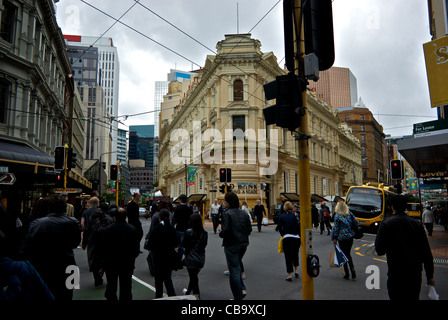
196, 197
426, 154
23, 154
294, 197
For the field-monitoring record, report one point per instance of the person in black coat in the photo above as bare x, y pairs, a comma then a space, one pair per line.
181, 220
121, 247
163, 242
289, 228
133, 213
49, 246
195, 241
403, 240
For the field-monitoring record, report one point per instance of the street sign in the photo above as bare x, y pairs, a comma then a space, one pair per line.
7, 178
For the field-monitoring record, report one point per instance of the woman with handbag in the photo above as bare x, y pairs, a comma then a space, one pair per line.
343, 233
289, 228
163, 242
194, 242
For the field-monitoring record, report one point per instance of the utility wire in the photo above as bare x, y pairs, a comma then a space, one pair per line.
113, 24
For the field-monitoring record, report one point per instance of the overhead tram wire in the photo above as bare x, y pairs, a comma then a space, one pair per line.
141, 33
178, 54
197, 41
113, 24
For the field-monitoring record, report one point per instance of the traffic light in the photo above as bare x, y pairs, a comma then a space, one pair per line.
113, 172
319, 37
225, 175
71, 159
288, 110
396, 169
59, 158
222, 188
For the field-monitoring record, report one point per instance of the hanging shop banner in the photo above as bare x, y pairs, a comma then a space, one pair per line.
436, 57
191, 172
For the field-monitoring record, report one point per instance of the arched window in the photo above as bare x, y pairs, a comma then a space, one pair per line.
238, 90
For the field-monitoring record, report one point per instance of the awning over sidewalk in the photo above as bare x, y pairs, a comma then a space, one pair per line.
426, 154
21, 153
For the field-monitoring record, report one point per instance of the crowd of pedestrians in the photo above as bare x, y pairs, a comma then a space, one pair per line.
36, 257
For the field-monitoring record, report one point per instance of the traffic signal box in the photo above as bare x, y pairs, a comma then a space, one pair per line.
288, 110
396, 169
225, 175
59, 158
113, 172
72, 159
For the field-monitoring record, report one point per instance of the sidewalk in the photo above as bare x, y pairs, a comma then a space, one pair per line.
439, 244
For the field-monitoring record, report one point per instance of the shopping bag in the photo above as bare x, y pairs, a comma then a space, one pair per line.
265, 221
432, 294
333, 259
280, 245
342, 259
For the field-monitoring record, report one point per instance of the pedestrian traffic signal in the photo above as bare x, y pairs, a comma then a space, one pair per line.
222, 188
396, 169
288, 110
59, 158
71, 159
113, 172
225, 175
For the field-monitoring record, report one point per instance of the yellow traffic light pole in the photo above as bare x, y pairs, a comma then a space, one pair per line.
117, 184
304, 163
65, 166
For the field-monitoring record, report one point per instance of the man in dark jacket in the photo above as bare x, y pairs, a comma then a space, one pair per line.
181, 220
404, 241
236, 228
49, 246
133, 213
121, 247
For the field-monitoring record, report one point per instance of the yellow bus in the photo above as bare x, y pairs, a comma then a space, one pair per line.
414, 210
371, 204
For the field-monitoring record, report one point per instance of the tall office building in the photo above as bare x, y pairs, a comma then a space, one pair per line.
337, 87
107, 75
141, 144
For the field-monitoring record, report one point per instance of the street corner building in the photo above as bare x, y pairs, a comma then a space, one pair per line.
215, 120
36, 102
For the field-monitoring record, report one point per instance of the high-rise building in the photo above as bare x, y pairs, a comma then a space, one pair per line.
141, 144
107, 75
336, 86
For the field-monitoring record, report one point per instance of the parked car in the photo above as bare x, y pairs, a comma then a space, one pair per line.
142, 212
277, 212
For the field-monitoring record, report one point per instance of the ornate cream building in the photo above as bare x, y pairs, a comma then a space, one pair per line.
199, 122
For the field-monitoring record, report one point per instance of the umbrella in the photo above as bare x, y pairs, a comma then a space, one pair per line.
339, 258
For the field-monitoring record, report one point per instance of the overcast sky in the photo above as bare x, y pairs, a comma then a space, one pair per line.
381, 41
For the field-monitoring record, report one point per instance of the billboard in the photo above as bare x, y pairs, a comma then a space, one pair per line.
436, 57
